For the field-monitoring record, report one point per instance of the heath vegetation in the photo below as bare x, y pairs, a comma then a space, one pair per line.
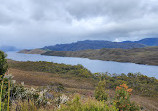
95, 92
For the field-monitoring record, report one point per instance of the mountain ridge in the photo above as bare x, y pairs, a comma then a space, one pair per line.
145, 41
92, 44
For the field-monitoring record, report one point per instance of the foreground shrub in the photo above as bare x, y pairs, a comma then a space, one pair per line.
24, 106
122, 99
3, 65
21, 93
4, 84
86, 105
61, 99
4, 95
100, 93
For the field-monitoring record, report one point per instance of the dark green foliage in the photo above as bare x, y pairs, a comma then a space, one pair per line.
4, 83
100, 93
5, 94
50, 67
58, 87
3, 65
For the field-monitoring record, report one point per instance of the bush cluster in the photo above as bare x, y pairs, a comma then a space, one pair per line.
50, 67
86, 105
141, 84
100, 93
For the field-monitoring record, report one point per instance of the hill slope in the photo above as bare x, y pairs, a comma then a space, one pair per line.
147, 55
92, 44
33, 51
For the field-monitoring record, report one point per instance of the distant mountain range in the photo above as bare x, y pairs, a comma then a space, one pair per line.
146, 41
8, 48
99, 44
139, 52
92, 44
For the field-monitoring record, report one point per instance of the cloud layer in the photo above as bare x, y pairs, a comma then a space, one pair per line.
36, 23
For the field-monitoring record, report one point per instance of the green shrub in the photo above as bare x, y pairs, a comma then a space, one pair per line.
100, 93
4, 84
4, 96
3, 65
86, 105
141, 84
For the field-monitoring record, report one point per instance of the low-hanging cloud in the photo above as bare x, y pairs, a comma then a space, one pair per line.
36, 23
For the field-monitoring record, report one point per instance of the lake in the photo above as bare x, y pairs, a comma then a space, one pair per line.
92, 65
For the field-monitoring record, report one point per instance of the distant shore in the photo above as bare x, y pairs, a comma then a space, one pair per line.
146, 56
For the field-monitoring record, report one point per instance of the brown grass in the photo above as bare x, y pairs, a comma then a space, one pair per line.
43, 79
73, 85
149, 104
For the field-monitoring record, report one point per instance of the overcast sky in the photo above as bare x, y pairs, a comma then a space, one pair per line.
36, 23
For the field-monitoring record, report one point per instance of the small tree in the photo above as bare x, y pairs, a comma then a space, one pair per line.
122, 99
100, 93
4, 84
3, 65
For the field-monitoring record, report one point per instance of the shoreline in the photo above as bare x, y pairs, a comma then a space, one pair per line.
91, 58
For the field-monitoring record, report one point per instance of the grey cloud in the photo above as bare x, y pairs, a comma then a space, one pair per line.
114, 8
35, 23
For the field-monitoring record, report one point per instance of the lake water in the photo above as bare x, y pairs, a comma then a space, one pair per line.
93, 65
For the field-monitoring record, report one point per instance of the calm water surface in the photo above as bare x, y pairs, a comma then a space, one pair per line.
93, 65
